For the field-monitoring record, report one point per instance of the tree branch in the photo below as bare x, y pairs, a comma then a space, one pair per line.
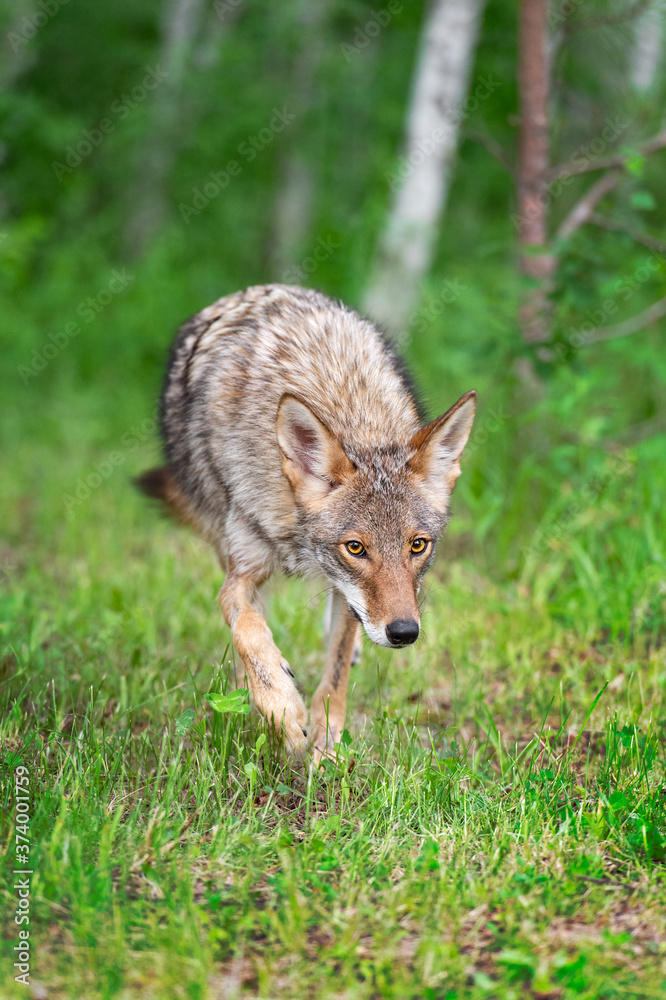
583, 209
605, 222
610, 20
629, 326
639, 432
607, 162
496, 150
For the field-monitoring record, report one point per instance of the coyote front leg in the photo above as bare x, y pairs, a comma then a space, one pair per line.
268, 672
329, 704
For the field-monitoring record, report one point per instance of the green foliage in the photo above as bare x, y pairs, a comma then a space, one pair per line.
396, 861
235, 702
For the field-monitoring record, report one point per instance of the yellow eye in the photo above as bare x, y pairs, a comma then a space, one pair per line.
419, 545
354, 548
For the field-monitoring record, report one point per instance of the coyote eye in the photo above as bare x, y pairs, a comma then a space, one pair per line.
419, 545
355, 548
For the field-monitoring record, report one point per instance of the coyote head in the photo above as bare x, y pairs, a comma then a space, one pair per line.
372, 517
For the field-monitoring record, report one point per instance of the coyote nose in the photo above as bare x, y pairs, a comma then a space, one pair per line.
402, 631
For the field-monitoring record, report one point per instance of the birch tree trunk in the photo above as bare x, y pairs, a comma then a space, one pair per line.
421, 186
533, 84
647, 49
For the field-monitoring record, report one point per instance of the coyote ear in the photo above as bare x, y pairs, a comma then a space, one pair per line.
312, 459
439, 446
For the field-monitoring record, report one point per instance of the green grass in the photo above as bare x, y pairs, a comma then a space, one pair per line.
494, 825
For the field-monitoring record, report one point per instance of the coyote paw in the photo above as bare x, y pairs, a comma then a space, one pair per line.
294, 727
282, 705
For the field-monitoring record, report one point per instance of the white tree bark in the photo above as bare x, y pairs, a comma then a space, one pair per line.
648, 48
292, 215
421, 183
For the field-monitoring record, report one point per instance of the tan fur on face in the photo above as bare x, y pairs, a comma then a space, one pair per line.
389, 586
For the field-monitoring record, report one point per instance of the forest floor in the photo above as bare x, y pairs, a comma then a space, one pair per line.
493, 826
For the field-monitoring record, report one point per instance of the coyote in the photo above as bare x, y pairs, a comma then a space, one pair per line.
294, 442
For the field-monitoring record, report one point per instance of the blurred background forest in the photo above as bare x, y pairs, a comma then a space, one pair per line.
156, 156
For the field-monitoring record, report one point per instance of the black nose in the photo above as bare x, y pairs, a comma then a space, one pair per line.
402, 631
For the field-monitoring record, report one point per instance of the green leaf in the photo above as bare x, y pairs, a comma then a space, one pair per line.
516, 959
618, 800
185, 721
235, 702
642, 200
634, 163
427, 859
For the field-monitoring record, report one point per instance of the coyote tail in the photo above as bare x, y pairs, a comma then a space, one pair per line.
161, 485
